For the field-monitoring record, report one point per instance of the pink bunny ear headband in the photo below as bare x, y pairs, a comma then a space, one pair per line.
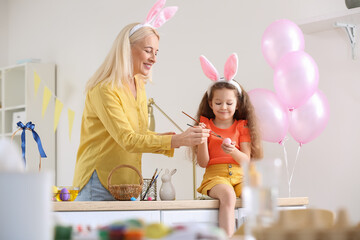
156, 17
230, 71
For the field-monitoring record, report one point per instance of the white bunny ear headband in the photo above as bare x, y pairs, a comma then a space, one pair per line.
156, 17
230, 71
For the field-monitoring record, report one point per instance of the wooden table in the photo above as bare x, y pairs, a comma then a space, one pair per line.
167, 212
159, 205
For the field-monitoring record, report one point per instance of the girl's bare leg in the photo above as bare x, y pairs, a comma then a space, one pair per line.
227, 198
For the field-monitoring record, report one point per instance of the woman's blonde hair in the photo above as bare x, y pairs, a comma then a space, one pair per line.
117, 67
244, 111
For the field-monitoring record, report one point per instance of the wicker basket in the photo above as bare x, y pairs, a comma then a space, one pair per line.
125, 192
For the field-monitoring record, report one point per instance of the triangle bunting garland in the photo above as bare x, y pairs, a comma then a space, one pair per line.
58, 108
47, 94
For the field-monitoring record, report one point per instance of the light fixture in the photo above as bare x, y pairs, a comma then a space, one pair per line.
352, 3
151, 125
152, 118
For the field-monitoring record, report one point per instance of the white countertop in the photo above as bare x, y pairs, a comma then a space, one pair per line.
158, 205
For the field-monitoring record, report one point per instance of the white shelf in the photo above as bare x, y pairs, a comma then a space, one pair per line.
326, 22
15, 66
14, 107
17, 95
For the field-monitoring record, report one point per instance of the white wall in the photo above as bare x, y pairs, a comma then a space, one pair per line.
3, 32
77, 35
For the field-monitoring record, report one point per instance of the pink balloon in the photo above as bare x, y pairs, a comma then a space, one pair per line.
309, 120
281, 37
272, 115
296, 78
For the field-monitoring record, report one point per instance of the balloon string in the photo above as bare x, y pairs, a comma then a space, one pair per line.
287, 165
297, 156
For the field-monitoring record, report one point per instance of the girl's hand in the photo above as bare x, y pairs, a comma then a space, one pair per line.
228, 147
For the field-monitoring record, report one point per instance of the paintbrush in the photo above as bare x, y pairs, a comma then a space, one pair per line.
214, 133
151, 183
237, 146
152, 179
211, 132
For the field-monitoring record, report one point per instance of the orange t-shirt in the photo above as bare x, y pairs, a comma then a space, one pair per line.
238, 132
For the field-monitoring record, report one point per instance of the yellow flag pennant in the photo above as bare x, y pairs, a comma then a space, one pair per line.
58, 108
46, 99
37, 81
71, 116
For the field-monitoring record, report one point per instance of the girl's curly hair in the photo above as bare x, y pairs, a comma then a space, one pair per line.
244, 111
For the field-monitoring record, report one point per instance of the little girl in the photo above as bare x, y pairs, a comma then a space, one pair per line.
226, 110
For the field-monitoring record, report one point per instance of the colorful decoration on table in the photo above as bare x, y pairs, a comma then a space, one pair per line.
157, 230
29, 126
64, 194
156, 16
69, 194
167, 190
297, 105
55, 192
128, 229
47, 94
139, 229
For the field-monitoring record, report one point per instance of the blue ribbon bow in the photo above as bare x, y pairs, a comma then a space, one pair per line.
30, 126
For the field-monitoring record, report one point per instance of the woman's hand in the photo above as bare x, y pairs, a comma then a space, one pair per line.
203, 125
192, 136
166, 133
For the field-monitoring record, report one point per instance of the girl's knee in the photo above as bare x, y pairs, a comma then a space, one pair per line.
228, 198
224, 193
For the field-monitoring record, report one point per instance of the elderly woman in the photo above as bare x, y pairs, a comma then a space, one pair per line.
114, 126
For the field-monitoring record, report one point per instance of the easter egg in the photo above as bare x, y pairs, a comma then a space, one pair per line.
134, 223
149, 198
133, 199
64, 194
54, 191
156, 230
227, 141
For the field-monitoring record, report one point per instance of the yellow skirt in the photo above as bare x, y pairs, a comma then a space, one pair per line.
230, 174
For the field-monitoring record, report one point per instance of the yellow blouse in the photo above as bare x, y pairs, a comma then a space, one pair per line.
114, 131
